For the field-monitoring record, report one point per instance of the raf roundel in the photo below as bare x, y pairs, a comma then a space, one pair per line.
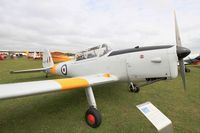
141, 56
64, 69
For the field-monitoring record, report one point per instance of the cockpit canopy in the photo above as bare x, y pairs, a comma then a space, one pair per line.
97, 51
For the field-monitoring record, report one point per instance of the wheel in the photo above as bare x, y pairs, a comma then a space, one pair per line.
187, 70
93, 117
133, 88
136, 90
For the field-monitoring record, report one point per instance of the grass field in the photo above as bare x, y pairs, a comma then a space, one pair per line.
64, 111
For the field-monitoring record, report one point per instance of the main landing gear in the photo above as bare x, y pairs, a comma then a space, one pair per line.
187, 70
133, 88
92, 115
136, 88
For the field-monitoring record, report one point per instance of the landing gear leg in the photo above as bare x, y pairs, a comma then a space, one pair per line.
133, 88
92, 115
46, 75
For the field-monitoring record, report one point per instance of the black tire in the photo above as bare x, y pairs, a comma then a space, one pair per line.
95, 114
187, 70
137, 89
134, 89
46, 75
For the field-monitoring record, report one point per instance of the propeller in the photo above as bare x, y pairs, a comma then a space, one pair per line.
182, 52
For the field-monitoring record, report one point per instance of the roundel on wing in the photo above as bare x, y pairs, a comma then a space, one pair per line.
64, 69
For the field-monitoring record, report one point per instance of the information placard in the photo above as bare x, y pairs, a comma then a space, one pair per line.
156, 117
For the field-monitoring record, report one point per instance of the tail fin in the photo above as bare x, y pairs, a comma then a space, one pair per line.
47, 59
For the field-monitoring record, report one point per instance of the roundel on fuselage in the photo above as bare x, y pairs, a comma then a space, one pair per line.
64, 69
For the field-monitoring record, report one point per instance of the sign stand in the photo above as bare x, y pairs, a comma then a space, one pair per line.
156, 117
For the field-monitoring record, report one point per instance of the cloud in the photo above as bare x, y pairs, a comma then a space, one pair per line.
76, 25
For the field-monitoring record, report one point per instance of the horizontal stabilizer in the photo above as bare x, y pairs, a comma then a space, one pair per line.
30, 70
47, 63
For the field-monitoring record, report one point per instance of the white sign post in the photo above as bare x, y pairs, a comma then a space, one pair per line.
156, 117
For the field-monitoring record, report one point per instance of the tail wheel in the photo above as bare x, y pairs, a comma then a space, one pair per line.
187, 70
93, 117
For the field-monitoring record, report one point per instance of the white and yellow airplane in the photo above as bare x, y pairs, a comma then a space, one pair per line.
100, 65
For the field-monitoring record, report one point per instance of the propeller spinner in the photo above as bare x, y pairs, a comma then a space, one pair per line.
182, 52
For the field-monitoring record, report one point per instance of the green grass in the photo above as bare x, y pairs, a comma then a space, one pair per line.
64, 111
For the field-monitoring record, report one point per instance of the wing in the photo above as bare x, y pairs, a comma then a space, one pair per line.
30, 88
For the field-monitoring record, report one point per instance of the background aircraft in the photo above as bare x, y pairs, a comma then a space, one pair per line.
3, 56
192, 59
61, 57
100, 65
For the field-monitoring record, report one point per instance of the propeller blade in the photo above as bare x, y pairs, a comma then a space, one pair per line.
181, 52
178, 38
182, 69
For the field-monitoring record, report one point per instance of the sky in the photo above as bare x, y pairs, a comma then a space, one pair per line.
74, 25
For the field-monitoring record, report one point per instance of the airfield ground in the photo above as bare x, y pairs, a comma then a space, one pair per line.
64, 111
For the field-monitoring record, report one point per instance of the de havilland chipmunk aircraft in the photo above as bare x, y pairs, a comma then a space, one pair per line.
100, 65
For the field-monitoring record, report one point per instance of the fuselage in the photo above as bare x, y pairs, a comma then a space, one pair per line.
134, 64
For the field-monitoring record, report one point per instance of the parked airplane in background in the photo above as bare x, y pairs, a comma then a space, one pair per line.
192, 59
34, 55
100, 65
61, 57
3, 56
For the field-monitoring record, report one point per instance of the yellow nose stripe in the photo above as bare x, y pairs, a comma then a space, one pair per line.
72, 83
53, 69
107, 75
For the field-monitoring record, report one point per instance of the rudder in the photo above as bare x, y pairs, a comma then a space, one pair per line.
47, 60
